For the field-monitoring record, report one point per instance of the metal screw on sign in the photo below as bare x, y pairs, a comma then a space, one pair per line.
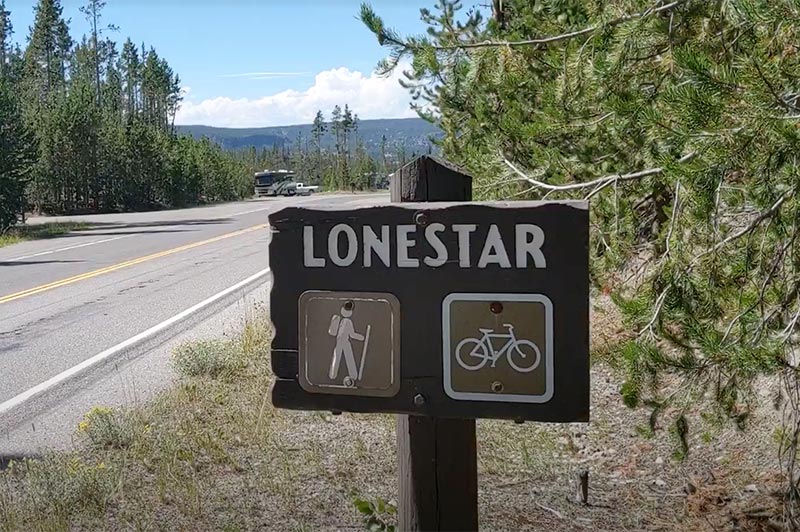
421, 218
497, 387
419, 400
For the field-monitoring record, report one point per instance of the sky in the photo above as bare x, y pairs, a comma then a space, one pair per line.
253, 63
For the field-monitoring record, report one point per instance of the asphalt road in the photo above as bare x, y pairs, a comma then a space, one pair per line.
65, 300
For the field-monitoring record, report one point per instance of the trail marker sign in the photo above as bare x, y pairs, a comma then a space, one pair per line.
461, 310
349, 343
498, 347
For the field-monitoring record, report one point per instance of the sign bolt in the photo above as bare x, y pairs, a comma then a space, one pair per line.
421, 218
419, 400
497, 387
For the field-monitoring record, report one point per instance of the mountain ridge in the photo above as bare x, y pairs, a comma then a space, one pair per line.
413, 135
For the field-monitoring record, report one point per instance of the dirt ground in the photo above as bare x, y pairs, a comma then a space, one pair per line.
528, 473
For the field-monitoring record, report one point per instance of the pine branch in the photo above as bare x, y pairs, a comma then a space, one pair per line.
778, 99
593, 122
787, 332
659, 303
544, 41
597, 184
750, 227
764, 284
675, 208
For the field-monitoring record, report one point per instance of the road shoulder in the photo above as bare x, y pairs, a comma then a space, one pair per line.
129, 380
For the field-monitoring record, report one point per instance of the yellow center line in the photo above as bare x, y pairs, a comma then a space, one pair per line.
121, 265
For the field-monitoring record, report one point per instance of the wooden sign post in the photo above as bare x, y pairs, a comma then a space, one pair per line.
442, 312
437, 458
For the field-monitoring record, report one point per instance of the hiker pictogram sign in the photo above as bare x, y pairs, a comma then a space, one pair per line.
349, 343
460, 310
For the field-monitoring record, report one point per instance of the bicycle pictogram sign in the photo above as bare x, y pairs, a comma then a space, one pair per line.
498, 347
473, 354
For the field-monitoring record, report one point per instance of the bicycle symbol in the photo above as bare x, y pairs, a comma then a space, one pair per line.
473, 354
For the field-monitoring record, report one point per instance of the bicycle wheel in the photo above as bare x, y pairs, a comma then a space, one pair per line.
528, 355
471, 354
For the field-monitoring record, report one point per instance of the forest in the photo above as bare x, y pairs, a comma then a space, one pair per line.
89, 126
332, 154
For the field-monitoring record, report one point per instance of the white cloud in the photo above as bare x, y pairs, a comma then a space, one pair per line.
369, 96
266, 75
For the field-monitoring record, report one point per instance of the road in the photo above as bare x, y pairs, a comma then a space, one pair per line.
69, 303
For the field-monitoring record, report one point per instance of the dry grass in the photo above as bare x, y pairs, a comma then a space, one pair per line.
22, 233
212, 454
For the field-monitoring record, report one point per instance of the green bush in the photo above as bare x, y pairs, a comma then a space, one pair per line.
211, 358
53, 489
109, 428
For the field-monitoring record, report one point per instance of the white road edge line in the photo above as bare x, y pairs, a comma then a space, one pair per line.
301, 199
66, 248
89, 362
247, 212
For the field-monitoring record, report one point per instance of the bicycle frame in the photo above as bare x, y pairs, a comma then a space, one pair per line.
497, 354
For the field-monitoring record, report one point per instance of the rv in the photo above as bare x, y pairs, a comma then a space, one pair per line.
268, 182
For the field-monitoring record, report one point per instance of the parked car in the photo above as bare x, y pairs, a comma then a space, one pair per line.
293, 188
305, 190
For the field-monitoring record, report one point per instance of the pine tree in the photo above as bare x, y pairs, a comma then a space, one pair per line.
679, 121
364, 168
93, 13
48, 51
318, 129
384, 161
337, 177
6, 31
16, 159
130, 67
101, 123
298, 157
44, 85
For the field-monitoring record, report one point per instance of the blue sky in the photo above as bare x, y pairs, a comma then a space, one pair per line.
250, 63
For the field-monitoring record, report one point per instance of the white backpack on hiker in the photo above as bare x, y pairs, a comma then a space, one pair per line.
333, 329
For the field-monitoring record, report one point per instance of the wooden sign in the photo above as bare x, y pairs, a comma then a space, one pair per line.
464, 310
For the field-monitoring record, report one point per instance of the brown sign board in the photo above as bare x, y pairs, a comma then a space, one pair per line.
464, 310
